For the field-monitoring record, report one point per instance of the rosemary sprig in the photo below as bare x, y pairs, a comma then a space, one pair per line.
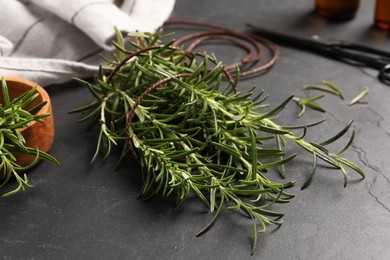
329, 87
193, 134
15, 114
309, 102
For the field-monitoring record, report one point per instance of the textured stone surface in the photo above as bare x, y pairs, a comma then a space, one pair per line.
89, 211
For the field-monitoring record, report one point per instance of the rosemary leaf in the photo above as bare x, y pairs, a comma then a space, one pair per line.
359, 97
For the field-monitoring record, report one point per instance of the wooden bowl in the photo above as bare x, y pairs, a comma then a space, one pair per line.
36, 134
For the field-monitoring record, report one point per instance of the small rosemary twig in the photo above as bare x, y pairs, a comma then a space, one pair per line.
329, 87
308, 102
359, 97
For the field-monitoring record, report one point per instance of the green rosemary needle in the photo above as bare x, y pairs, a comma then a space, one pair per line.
193, 134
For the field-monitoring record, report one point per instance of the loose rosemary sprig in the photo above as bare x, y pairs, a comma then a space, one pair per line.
15, 114
329, 87
193, 134
309, 102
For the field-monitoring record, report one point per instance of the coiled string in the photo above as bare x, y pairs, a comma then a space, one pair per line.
252, 44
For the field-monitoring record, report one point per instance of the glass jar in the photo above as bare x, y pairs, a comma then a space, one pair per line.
382, 15
337, 9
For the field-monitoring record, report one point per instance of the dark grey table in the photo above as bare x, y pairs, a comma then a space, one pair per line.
89, 211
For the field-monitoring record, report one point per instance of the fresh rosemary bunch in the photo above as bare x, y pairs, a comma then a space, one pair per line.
14, 115
193, 134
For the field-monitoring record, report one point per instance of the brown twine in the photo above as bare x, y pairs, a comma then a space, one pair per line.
212, 36
239, 39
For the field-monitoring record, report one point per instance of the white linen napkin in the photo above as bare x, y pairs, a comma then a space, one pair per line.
51, 41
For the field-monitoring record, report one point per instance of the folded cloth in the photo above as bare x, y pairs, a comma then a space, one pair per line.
52, 41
